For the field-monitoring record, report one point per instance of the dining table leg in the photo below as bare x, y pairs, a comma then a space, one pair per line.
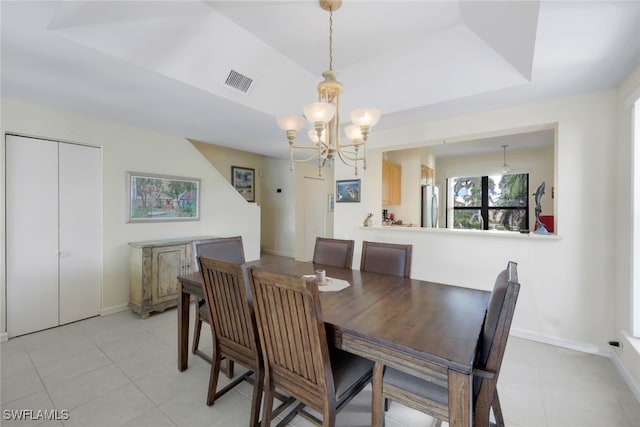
183, 328
460, 399
377, 412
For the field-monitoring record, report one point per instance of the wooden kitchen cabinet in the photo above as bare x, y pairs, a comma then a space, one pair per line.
391, 183
153, 270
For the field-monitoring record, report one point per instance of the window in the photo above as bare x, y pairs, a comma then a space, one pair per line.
496, 202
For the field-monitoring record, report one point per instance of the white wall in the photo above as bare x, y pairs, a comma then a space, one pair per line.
629, 354
124, 148
567, 282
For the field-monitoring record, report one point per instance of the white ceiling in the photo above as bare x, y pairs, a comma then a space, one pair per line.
162, 65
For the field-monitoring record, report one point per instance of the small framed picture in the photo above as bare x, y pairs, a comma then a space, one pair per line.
244, 181
331, 201
348, 191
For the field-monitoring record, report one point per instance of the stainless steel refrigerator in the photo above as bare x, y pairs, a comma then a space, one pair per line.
430, 206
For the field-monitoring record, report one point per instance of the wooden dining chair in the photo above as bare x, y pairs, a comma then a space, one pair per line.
431, 398
228, 249
234, 334
298, 360
386, 258
333, 252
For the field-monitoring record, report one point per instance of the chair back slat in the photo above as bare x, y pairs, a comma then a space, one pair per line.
333, 252
229, 300
292, 335
228, 249
232, 316
386, 258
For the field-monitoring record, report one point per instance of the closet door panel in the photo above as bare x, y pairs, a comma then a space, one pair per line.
80, 232
32, 234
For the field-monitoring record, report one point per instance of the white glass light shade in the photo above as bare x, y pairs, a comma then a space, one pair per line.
290, 122
313, 135
319, 112
365, 117
353, 132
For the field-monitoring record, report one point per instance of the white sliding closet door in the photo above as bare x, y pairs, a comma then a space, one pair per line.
80, 232
32, 234
53, 213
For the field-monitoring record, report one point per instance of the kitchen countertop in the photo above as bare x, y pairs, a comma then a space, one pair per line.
486, 233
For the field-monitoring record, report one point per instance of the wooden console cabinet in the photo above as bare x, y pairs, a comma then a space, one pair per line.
153, 270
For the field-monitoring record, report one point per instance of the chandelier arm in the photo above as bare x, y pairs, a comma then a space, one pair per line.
351, 145
305, 147
306, 159
347, 160
349, 155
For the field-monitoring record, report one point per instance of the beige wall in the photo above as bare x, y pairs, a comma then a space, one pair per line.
222, 158
310, 170
279, 208
409, 210
124, 148
282, 213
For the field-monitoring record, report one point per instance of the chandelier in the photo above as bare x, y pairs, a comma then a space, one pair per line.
325, 117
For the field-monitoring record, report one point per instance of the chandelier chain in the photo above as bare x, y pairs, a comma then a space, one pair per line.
331, 40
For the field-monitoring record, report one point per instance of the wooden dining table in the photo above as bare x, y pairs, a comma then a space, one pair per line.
427, 329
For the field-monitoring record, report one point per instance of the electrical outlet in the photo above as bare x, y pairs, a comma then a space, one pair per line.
616, 344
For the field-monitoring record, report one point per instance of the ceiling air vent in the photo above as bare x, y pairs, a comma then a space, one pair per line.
238, 81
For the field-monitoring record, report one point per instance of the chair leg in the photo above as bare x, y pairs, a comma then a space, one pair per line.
497, 409
256, 399
387, 405
329, 416
213, 377
267, 405
196, 332
229, 370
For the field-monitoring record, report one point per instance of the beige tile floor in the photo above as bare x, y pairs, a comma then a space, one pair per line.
120, 370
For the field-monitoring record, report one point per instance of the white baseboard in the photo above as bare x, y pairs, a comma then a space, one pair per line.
114, 310
626, 376
561, 342
4, 337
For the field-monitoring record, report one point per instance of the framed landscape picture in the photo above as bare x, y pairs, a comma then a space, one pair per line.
155, 198
348, 191
244, 181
